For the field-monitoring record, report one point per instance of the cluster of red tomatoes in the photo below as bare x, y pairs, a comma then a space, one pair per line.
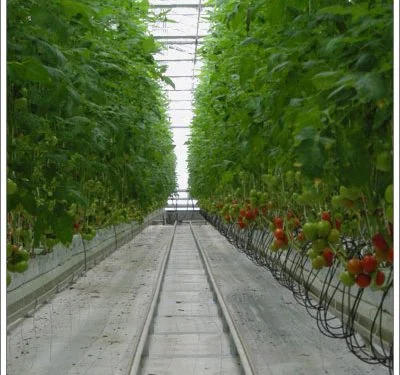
281, 239
362, 272
246, 216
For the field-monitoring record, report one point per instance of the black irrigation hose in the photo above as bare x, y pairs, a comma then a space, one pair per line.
291, 268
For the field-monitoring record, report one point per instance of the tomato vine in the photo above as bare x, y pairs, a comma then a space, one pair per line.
296, 102
88, 139
292, 135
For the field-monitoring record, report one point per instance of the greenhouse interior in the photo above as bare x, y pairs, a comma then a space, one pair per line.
200, 187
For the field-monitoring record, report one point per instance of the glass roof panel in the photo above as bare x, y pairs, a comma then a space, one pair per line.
182, 105
180, 40
178, 68
180, 22
180, 118
181, 83
180, 95
173, 3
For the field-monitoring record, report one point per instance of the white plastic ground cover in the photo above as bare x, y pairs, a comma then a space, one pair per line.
366, 310
93, 326
282, 339
50, 273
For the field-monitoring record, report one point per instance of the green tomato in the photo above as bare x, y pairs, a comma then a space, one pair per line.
337, 201
383, 161
312, 254
17, 267
347, 278
21, 104
21, 266
11, 187
389, 194
22, 255
310, 231
323, 228
351, 193
334, 236
319, 244
307, 196
318, 262
253, 193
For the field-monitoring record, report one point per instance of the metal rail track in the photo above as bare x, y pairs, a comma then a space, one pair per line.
188, 328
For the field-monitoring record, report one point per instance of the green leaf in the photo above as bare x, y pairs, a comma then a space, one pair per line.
371, 86
63, 226
30, 70
168, 81
251, 40
326, 80
309, 153
355, 10
73, 8
306, 133
149, 45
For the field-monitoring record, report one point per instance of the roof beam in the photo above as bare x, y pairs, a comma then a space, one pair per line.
174, 60
168, 6
194, 37
180, 76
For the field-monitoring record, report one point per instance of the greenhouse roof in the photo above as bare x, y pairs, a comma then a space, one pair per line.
181, 32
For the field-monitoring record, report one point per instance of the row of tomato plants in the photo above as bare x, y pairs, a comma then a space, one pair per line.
294, 116
88, 138
326, 230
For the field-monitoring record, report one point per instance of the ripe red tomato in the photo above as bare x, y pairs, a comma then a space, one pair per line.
328, 255
249, 215
279, 234
379, 241
390, 256
381, 255
278, 222
379, 278
354, 266
325, 215
301, 237
242, 225
363, 280
279, 244
369, 263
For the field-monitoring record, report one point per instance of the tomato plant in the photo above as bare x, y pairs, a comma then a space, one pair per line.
88, 138
290, 119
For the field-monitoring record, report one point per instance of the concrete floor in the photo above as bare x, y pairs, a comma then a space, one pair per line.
93, 328
280, 336
188, 335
